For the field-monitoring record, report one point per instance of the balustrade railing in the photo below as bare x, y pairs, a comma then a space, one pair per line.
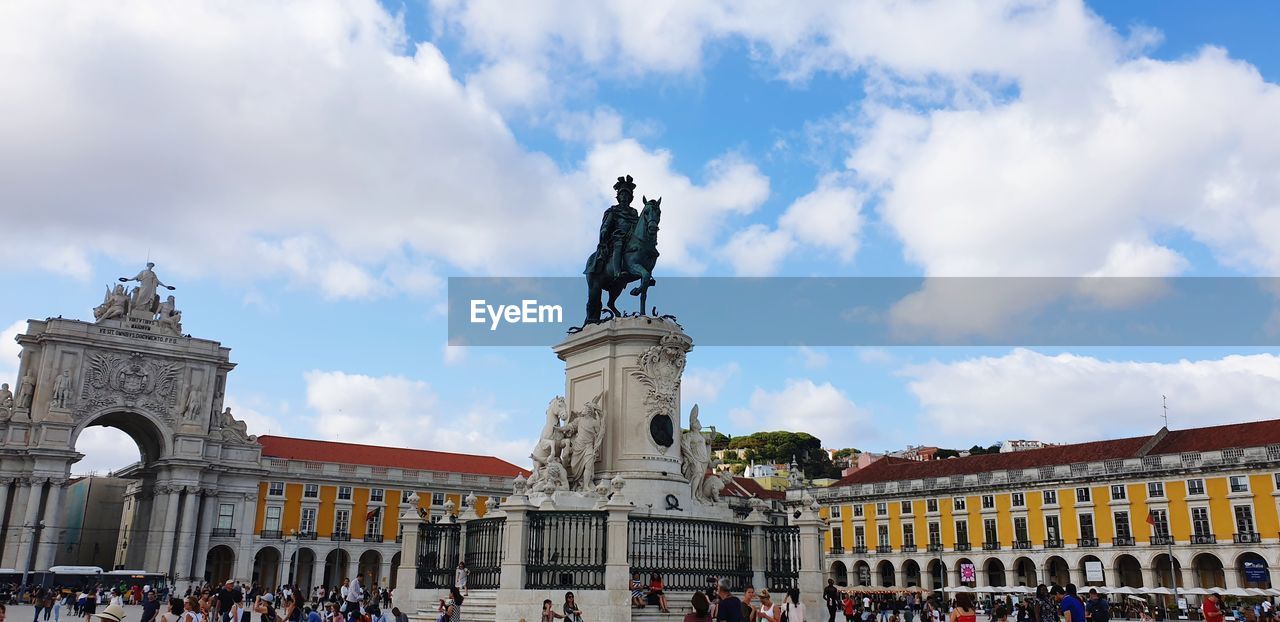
437, 554
782, 557
484, 552
687, 551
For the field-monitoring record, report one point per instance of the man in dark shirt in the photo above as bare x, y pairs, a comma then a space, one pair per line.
227, 595
730, 608
150, 607
1097, 609
1070, 605
831, 596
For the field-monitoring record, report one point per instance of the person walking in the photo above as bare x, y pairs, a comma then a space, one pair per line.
572, 613
831, 596
792, 608
460, 578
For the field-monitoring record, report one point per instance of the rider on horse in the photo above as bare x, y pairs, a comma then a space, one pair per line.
615, 230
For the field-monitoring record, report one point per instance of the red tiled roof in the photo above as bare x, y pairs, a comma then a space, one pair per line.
753, 488
1252, 434
394, 457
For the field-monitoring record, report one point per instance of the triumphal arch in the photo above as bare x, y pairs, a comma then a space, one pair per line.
134, 369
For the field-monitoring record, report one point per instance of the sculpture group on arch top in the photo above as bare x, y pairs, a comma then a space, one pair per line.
136, 380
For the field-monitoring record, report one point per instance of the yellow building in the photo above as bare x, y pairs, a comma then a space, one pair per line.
1099, 513
332, 510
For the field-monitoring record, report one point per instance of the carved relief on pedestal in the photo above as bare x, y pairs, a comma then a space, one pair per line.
659, 369
132, 381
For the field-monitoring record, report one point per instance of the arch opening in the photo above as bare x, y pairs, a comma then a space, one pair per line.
995, 572
1208, 571
839, 573
885, 573
1128, 571
1024, 572
911, 573
1254, 571
863, 572
395, 570
219, 564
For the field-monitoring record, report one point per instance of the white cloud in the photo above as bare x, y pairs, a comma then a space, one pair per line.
804, 406
813, 359
105, 449
297, 140
702, 385
829, 218
757, 250
401, 412
10, 352
1067, 397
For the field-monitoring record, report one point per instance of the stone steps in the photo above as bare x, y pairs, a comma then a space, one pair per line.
478, 607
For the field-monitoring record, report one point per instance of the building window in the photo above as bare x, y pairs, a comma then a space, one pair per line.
308, 522
1195, 487
958, 504
1083, 495
908, 534
989, 535
1244, 519
1119, 492
882, 535
905, 507
931, 505
226, 516
1050, 497
882, 509
376, 494
437, 498
935, 534
373, 523
1018, 500
857, 510
275, 489
1239, 483
311, 491
1277, 478
344, 493
988, 502
1020, 533
1155, 489
837, 538
273, 519
1122, 525
1200, 522
1160, 523
1086, 526
860, 536
962, 532
1052, 530
342, 522
835, 511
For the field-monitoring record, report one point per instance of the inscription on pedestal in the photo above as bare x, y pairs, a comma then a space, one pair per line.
671, 542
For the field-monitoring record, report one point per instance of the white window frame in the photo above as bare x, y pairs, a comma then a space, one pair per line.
1024, 534
377, 495
1235, 517
1155, 490
1116, 522
273, 515
988, 502
1122, 489
931, 505
1208, 520
990, 528
882, 509
935, 533
307, 520
1231, 484
1084, 494
311, 491
227, 511
275, 489
1018, 500
342, 521
959, 504
905, 508
908, 534
1049, 497
437, 499
1159, 518
373, 526
882, 535
958, 522
344, 493
860, 536
1199, 484
1049, 533
835, 511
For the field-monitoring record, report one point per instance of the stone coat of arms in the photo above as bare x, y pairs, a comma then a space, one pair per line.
132, 381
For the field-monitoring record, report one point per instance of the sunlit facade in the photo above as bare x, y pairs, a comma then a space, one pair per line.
1100, 513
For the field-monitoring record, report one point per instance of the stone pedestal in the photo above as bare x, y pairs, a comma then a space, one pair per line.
811, 571
637, 363
407, 574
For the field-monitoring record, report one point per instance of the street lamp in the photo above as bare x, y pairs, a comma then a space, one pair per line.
280, 568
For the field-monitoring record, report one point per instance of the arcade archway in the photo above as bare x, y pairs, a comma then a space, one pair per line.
839, 573
219, 565
266, 568
1128, 571
1208, 571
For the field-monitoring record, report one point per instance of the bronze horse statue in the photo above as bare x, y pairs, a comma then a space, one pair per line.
638, 258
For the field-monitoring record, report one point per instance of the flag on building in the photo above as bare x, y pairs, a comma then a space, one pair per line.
373, 513
1151, 518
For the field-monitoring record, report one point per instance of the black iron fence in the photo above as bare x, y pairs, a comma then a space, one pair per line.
437, 554
782, 557
685, 552
483, 552
565, 550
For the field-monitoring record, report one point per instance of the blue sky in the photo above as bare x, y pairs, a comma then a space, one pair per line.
309, 174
